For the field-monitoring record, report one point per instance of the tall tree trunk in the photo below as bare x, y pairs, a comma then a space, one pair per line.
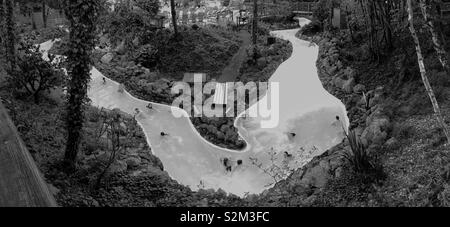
423, 72
174, 17
255, 28
10, 38
44, 14
255, 22
430, 18
33, 21
82, 16
2, 28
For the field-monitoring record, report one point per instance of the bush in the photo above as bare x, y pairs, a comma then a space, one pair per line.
360, 160
32, 73
311, 28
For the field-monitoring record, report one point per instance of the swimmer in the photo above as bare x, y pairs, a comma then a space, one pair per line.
287, 155
164, 134
104, 80
149, 106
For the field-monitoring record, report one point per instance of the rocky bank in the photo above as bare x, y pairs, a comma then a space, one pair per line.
368, 116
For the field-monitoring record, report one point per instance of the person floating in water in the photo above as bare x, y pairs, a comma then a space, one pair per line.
287, 155
227, 164
104, 80
293, 134
164, 134
149, 106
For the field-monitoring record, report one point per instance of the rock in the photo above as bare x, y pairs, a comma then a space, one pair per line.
120, 49
107, 58
376, 132
261, 62
95, 203
338, 82
339, 65
392, 143
332, 70
316, 176
133, 162
118, 166
349, 73
359, 88
338, 172
348, 85
136, 41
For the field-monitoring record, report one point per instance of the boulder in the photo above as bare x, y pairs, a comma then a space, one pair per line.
120, 49
261, 62
338, 82
349, 73
118, 166
332, 70
392, 143
133, 162
107, 58
359, 88
136, 41
316, 176
376, 131
348, 85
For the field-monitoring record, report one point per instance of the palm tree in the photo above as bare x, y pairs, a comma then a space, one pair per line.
82, 16
423, 72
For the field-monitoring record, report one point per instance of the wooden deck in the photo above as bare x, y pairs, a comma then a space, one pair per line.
21, 184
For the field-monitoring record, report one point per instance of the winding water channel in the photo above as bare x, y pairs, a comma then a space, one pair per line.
306, 110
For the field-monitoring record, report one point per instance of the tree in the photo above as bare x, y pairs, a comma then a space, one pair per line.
2, 31
81, 15
10, 48
33, 73
423, 71
44, 13
255, 28
149, 6
174, 17
430, 18
255, 22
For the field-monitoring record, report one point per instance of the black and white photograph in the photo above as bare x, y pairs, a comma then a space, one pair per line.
248, 105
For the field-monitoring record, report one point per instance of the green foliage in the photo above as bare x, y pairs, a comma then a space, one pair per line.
322, 12
361, 162
82, 16
359, 159
312, 28
33, 73
126, 23
150, 6
204, 50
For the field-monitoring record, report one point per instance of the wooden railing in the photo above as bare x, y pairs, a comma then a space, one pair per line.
21, 183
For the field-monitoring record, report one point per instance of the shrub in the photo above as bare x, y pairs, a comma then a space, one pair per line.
360, 160
311, 28
33, 74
